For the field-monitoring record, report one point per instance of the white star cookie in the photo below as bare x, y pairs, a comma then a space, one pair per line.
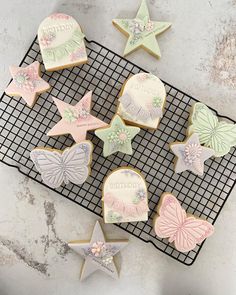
98, 253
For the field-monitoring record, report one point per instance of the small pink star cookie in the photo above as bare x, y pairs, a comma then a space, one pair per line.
27, 83
76, 120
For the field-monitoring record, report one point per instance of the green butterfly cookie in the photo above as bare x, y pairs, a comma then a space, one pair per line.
220, 136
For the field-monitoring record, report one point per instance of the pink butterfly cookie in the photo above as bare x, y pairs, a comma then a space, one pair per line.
182, 229
27, 83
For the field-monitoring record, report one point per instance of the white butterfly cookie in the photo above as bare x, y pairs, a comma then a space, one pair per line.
215, 134
182, 229
70, 165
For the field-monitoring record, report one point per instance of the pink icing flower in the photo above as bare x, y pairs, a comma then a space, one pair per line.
47, 39
60, 16
149, 26
97, 248
79, 53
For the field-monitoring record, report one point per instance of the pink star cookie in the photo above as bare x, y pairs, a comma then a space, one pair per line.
76, 120
27, 83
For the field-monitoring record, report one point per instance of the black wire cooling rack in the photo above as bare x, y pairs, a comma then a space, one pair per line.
23, 129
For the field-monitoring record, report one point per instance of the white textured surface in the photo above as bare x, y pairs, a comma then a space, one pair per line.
35, 223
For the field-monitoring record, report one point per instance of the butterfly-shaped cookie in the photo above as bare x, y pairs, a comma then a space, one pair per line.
220, 136
70, 165
172, 222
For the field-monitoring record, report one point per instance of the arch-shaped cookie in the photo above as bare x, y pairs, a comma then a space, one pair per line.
61, 42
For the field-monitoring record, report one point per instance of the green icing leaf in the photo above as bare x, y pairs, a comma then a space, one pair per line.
113, 217
69, 115
220, 136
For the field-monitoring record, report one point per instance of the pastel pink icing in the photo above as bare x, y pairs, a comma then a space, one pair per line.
125, 209
173, 223
77, 128
27, 83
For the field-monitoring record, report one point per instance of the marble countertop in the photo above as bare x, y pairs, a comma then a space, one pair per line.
199, 57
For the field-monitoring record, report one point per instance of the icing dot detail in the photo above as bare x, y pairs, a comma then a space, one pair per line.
123, 136
192, 152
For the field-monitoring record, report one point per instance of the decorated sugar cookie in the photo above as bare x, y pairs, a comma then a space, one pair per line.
70, 165
142, 100
76, 120
182, 229
117, 137
217, 135
125, 196
141, 31
61, 42
190, 155
98, 253
27, 83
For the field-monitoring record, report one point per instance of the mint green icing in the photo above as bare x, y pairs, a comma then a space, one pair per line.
220, 136
157, 102
142, 31
69, 115
117, 137
63, 50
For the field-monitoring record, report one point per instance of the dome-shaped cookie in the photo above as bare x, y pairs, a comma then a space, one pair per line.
125, 197
142, 100
61, 42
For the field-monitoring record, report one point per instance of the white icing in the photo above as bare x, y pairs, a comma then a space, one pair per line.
140, 91
61, 33
123, 186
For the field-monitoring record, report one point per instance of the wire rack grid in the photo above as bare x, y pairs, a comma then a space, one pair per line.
23, 128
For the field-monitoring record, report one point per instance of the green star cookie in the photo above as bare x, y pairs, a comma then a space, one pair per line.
117, 137
141, 31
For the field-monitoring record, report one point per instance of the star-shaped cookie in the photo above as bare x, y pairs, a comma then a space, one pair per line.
76, 120
117, 137
27, 83
190, 155
98, 253
141, 31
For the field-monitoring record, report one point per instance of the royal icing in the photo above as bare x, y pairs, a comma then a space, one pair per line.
219, 136
141, 31
117, 137
142, 100
76, 120
70, 165
172, 222
61, 42
98, 253
191, 155
27, 83
125, 197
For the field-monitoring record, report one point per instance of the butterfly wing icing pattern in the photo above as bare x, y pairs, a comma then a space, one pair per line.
56, 167
173, 223
220, 136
